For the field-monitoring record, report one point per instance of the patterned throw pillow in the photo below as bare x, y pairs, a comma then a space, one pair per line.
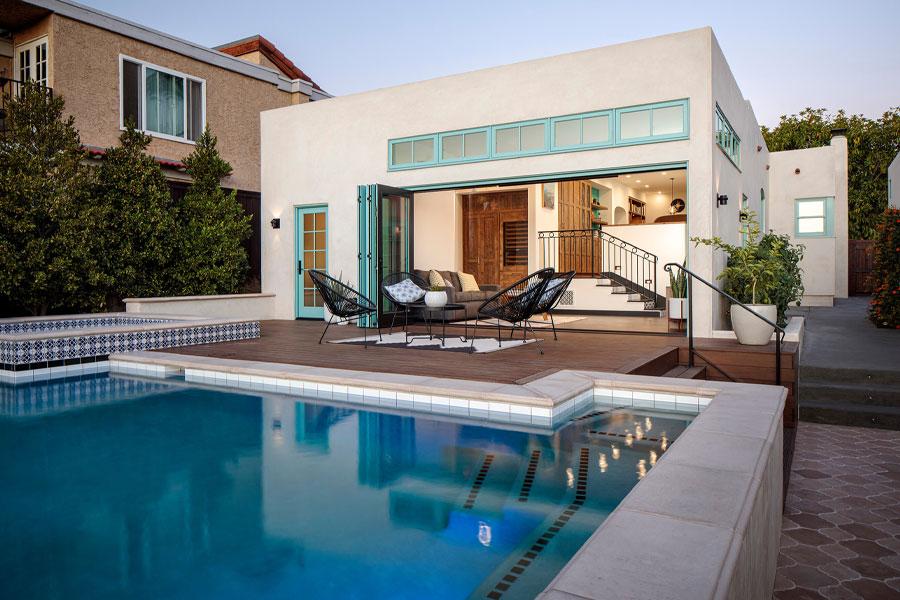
406, 291
436, 279
468, 282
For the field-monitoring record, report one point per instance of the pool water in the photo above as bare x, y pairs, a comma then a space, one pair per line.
185, 492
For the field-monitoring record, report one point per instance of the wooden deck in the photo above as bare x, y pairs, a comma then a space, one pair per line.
295, 342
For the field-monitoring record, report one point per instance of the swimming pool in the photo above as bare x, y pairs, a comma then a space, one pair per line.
186, 492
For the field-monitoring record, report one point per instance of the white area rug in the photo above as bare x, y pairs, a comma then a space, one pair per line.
453, 343
537, 323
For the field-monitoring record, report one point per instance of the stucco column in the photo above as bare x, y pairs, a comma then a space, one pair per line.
841, 212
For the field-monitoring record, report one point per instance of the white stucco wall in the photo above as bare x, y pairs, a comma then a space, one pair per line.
748, 177
822, 173
894, 182
319, 152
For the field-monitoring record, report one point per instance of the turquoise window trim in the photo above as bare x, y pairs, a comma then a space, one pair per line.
728, 141
828, 213
610, 138
414, 139
649, 139
463, 159
520, 124
548, 147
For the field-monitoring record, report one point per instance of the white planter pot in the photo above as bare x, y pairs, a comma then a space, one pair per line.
751, 330
435, 299
678, 308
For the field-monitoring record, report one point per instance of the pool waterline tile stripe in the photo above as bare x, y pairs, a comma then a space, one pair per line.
532, 553
479, 481
625, 435
529, 476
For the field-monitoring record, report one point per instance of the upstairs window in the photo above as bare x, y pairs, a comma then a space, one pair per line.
727, 139
31, 61
162, 102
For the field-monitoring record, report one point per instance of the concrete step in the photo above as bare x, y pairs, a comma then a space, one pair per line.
851, 414
858, 394
838, 375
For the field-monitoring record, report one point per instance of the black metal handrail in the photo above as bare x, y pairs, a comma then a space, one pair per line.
779, 330
596, 253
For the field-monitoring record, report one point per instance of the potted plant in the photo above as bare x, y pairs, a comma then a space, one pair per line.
678, 301
754, 273
436, 297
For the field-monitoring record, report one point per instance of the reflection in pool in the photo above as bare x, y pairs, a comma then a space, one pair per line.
192, 493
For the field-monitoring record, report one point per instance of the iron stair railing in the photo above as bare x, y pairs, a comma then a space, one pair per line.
597, 254
691, 276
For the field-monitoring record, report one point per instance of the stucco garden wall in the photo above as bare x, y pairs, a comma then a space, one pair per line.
822, 173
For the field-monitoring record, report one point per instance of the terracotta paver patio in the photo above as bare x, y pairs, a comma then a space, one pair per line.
841, 528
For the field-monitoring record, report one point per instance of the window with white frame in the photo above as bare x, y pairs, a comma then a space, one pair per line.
32, 60
814, 217
162, 102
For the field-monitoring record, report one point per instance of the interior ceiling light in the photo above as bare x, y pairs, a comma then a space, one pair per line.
646, 185
637, 180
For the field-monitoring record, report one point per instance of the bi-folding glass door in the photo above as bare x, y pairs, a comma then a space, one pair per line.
385, 240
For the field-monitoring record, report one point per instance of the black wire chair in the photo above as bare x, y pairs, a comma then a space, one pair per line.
556, 287
342, 302
395, 278
515, 304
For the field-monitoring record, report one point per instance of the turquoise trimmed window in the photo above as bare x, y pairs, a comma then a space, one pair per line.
589, 130
418, 151
462, 146
649, 123
727, 139
814, 217
518, 139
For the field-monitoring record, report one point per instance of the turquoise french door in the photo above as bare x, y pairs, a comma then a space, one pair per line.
311, 251
385, 241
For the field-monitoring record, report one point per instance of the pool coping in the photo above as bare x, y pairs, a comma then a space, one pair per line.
703, 523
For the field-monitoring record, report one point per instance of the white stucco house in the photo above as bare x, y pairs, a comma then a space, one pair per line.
635, 147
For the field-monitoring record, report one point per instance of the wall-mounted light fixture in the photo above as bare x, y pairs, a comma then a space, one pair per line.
275, 223
721, 200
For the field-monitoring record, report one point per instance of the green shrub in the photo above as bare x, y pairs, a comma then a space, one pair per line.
764, 270
884, 308
48, 220
211, 258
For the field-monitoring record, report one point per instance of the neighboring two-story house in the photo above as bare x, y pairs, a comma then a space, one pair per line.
109, 70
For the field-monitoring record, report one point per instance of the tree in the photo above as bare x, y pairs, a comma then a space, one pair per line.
211, 257
871, 146
884, 308
137, 226
48, 259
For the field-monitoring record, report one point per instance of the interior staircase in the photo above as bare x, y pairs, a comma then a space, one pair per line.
636, 293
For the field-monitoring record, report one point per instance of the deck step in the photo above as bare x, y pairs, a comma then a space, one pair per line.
685, 372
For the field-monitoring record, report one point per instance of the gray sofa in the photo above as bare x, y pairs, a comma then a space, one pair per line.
455, 295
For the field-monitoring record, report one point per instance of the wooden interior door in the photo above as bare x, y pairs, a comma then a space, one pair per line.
495, 236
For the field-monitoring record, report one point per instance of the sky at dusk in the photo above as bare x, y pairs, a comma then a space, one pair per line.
786, 55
